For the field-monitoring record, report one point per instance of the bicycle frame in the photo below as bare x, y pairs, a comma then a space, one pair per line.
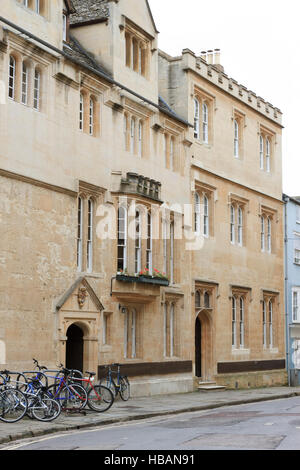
63, 383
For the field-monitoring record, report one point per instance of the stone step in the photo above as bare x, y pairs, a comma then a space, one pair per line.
210, 386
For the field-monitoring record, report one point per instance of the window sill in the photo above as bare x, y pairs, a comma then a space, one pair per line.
105, 348
236, 351
208, 145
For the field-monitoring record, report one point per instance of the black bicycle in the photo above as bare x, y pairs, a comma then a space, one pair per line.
119, 385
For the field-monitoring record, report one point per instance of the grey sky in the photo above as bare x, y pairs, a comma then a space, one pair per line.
259, 48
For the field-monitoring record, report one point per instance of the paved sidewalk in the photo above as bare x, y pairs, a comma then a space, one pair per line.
140, 408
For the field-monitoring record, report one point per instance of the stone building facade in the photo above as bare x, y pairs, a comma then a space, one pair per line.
140, 203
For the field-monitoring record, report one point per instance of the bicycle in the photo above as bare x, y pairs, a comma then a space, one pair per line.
120, 386
100, 398
13, 402
40, 405
71, 395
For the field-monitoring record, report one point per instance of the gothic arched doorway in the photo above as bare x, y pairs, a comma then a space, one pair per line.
74, 348
198, 348
203, 346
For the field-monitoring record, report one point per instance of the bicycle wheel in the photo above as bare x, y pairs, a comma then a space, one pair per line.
109, 384
73, 396
100, 398
45, 408
124, 388
13, 405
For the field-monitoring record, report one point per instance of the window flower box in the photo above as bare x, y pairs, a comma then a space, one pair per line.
143, 279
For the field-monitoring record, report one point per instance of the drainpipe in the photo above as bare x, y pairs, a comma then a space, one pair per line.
286, 277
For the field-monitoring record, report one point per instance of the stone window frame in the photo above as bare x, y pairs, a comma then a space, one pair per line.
170, 327
170, 268
204, 296
137, 49
239, 125
240, 298
89, 124
40, 7
203, 128
138, 143
145, 209
16, 90
267, 138
267, 219
238, 206
88, 193
202, 191
132, 344
269, 306
170, 150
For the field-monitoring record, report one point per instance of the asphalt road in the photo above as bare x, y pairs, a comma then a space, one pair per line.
270, 425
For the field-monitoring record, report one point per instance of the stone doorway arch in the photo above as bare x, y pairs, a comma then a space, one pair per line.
203, 346
74, 348
78, 320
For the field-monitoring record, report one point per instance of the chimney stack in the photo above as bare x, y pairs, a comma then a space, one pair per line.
217, 56
210, 57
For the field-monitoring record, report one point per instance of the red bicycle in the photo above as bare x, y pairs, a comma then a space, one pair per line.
99, 397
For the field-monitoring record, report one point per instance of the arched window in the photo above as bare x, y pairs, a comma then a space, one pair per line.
269, 234
205, 215
270, 323
206, 300
12, 77
242, 323
25, 75
165, 149
262, 233
90, 236
205, 122
81, 112
233, 310
140, 138
165, 328
91, 116
149, 243
125, 131
264, 322
232, 224
37, 89
128, 49
79, 233
236, 139
138, 242
268, 155
132, 135
261, 152
172, 253
197, 299
240, 226
122, 239
172, 153
130, 333
197, 213
196, 118
172, 330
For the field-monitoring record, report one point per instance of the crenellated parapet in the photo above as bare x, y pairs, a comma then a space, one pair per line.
208, 66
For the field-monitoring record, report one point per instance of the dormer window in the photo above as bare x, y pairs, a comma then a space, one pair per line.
137, 51
38, 6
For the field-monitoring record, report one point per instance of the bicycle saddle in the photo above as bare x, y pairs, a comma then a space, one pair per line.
90, 373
